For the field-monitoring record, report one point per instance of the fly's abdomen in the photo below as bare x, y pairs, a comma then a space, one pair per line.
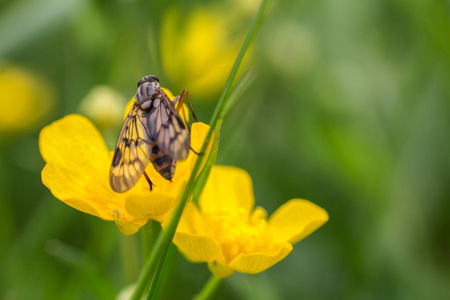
162, 163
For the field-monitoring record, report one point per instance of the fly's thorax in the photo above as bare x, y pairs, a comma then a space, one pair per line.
146, 93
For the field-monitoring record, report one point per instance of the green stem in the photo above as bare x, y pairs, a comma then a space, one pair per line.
153, 289
209, 289
144, 231
130, 264
149, 266
165, 238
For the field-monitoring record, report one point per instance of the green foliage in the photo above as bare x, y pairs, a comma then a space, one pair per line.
348, 108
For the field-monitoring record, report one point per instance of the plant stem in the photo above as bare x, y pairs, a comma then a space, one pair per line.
209, 289
169, 261
165, 238
144, 239
130, 264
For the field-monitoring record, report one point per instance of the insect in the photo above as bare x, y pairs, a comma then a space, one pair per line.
152, 132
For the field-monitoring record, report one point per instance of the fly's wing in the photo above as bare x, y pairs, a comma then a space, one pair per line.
168, 130
132, 152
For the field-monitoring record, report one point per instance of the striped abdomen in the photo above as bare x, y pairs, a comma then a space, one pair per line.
162, 162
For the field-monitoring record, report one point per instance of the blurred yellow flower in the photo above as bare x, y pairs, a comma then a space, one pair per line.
198, 50
228, 233
77, 173
25, 98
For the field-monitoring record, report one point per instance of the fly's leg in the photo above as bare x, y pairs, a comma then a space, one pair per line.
185, 94
149, 181
194, 151
180, 99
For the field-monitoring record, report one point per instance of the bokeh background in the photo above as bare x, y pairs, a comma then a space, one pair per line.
348, 107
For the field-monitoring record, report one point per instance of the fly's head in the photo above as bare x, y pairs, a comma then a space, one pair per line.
148, 89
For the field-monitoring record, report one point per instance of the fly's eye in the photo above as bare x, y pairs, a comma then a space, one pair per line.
154, 78
148, 78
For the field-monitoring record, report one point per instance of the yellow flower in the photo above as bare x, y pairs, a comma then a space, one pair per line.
198, 50
228, 233
77, 173
24, 98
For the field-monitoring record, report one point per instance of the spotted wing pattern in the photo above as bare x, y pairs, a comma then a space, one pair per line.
167, 129
132, 152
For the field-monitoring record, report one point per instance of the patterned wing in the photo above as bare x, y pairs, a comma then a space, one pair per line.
132, 152
168, 130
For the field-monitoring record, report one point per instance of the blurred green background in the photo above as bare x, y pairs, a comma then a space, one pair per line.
348, 108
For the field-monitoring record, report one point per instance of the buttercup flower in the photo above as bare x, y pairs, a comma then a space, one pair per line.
77, 173
198, 50
228, 233
24, 98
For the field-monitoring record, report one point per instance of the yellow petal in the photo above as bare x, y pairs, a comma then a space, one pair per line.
227, 188
128, 107
192, 221
71, 189
258, 215
150, 205
199, 131
74, 142
295, 220
127, 224
219, 269
78, 167
198, 135
198, 248
257, 262
90, 197
155, 204
168, 93
76, 172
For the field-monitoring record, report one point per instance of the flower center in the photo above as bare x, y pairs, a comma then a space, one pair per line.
236, 231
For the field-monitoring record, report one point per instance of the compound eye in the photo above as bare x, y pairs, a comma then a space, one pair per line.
154, 78
148, 78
